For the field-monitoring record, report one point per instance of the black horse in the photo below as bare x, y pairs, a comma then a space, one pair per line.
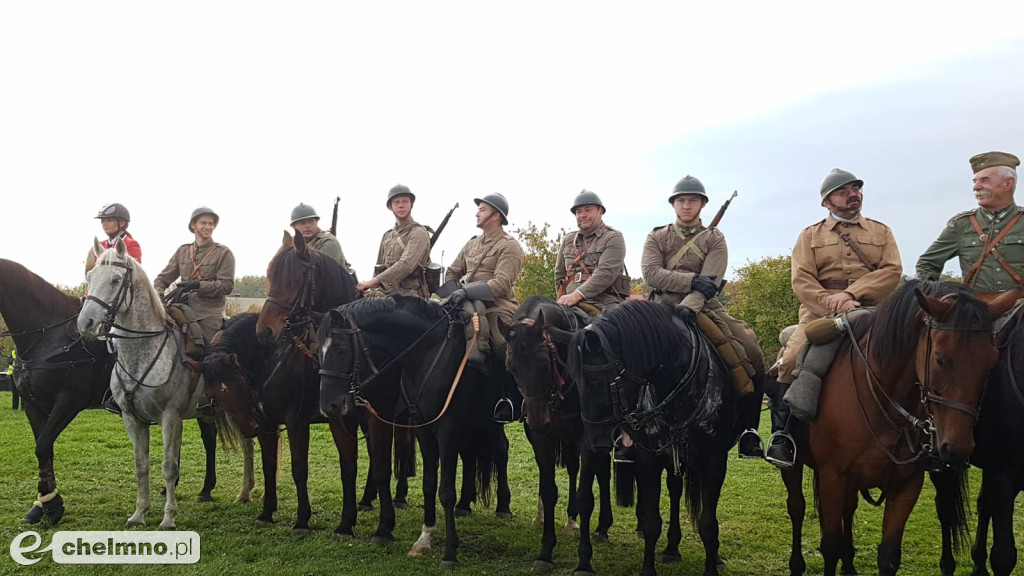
404, 360
657, 377
537, 349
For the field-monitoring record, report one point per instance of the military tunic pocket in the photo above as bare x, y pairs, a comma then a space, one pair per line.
1012, 248
871, 246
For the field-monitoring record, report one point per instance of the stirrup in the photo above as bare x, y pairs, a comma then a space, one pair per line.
778, 463
622, 454
498, 417
759, 447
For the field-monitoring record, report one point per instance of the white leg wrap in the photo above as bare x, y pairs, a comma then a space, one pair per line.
47, 497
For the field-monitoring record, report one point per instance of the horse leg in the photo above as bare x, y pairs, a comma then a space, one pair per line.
248, 471
648, 483
1001, 496
499, 452
467, 452
898, 507
172, 429
347, 446
832, 494
848, 551
298, 442
710, 481
796, 507
208, 432
138, 433
946, 498
46, 428
428, 449
370, 489
381, 437
269, 448
591, 462
571, 458
979, 553
448, 442
670, 554
603, 474
405, 452
544, 455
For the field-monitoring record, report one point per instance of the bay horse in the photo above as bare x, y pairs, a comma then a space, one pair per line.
150, 381
538, 340
56, 373
403, 359
640, 368
901, 396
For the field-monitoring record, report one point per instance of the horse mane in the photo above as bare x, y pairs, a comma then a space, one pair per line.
25, 290
894, 331
359, 310
287, 263
156, 303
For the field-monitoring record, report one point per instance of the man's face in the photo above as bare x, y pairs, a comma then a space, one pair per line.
992, 190
845, 201
588, 217
204, 226
688, 207
401, 206
111, 226
307, 227
485, 213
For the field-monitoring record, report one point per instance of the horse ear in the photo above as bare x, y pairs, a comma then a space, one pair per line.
591, 341
120, 247
538, 327
300, 246
286, 241
97, 248
558, 335
932, 306
1002, 303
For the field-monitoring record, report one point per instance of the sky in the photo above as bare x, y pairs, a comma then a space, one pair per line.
252, 107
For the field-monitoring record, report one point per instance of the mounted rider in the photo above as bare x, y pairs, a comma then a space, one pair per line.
306, 221
684, 262
114, 218
404, 251
492, 260
590, 271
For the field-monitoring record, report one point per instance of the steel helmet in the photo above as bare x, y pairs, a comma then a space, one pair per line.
115, 210
199, 212
586, 197
688, 185
400, 190
837, 179
498, 202
303, 211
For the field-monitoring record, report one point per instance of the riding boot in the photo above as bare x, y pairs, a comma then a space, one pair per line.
624, 454
750, 445
109, 404
781, 446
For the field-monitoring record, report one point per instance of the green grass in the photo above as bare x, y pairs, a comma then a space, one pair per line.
96, 477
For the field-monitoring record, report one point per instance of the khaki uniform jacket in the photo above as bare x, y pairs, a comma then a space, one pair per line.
820, 255
605, 257
707, 255
213, 265
404, 251
327, 244
496, 258
960, 239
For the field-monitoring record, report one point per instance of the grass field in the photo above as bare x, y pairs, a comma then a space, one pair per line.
96, 477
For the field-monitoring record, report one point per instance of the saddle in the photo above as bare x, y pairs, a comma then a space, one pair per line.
185, 319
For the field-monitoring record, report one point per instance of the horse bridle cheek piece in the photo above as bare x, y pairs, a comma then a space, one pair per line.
306, 301
120, 299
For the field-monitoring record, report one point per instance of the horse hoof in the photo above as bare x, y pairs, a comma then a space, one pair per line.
583, 573
299, 532
639, 534
204, 497
240, 499
504, 514
542, 567
671, 558
34, 515
381, 540
167, 528
400, 504
417, 551
449, 564
340, 537
598, 538
571, 527
364, 507
134, 523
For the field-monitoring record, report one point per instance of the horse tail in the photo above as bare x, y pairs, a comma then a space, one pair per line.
625, 481
228, 434
951, 502
694, 499
486, 467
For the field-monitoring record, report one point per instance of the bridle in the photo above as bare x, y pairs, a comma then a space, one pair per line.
555, 392
306, 299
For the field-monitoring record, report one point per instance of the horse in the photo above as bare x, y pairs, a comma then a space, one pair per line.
656, 376
150, 380
404, 360
883, 420
537, 347
56, 373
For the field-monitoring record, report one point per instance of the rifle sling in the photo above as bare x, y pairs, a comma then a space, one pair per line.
690, 246
856, 250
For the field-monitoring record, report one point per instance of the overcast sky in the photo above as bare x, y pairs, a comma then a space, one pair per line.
253, 107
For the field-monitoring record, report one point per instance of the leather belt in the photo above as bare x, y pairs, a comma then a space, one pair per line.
834, 284
580, 277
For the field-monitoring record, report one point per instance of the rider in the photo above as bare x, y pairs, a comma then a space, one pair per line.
590, 269
840, 263
495, 258
305, 221
404, 251
988, 240
683, 263
114, 219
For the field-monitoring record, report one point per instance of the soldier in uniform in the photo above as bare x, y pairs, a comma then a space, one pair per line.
496, 258
206, 270
840, 263
989, 240
114, 219
683, 263
404, 251
591, 262
306, 221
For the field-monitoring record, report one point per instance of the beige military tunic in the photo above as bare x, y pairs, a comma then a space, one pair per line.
404, 251
604, 255
213, 265
673, 255
496, 258
823, 265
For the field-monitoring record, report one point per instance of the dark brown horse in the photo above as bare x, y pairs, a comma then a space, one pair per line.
902, 395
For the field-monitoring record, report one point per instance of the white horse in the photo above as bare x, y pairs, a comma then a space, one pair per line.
151, 383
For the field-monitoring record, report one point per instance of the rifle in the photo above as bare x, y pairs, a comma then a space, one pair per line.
334, 217
440, 228
721, 211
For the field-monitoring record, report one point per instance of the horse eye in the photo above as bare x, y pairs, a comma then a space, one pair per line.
940, 360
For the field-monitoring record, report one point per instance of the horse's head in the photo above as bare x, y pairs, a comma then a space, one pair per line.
114, 284
226, 383
954, 356
533, 360
291, 276
595, 370
339, 364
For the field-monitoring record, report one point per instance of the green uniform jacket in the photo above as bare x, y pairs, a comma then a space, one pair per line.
326, 244
960, 239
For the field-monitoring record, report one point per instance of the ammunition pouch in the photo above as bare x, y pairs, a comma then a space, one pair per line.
621, 287
185, 319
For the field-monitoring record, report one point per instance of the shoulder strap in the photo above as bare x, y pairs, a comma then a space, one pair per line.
990, 248
856, 249
690, 246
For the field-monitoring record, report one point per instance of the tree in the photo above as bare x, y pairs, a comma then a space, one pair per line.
762, 295
540, 255
76, 291
250, 287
